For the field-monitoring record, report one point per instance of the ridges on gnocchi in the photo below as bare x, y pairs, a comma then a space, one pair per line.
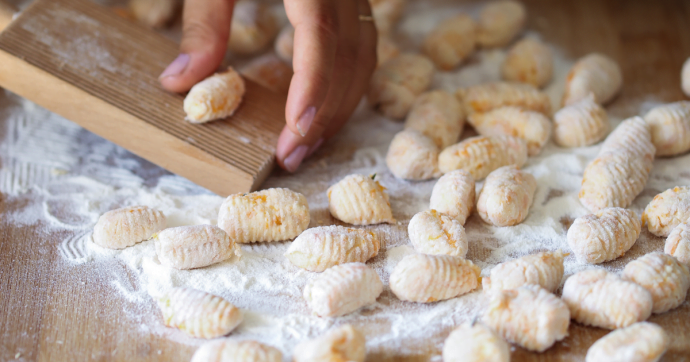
678, 243
582, 123
640, 342
438, 115
604, 235
454, 195
481, 155
670, 128
544, 269
435, 233
533, 127
475, 343
120, 228
225, 350
488, 96
667, 210
359, 200
344, 343
506, 197
666, 279
215, 97
189, 247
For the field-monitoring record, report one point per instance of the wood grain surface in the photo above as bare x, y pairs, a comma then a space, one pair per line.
40, 292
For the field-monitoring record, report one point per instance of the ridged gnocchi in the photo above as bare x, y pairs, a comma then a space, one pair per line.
359, 200
640, 342
386, 14
270, 72
197, 313
685, 77
506, 197
253, 27
475, 343
664, 277
412, 156
438, 115
320, 248
544, 269
215, 97
153, 13
605, 235
667, 210
500, 22
528, 316
483, 154
120, 228
189, 247
451, 41
438, 234
454, 195
528, 61
531, 126
678, 243
582, 123
227, 350
488, 96
285, 42
396, 84
670, 128
344, 343
602, 299
429, 278
343, 289
594, 73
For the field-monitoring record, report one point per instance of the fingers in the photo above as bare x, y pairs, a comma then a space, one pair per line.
206, 28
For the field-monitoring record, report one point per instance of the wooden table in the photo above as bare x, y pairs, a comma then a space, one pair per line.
39, 290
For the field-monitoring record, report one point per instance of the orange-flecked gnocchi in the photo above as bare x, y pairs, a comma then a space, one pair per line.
483, 154
667, 210
528, 316
438, 234
475, 343
531, 126
197, 313
500, 22
215, 97
359, 200
451, 41
543, 269
386, 14
528, 61
640, 342
270, 72
663, 276
412, 156
438, 115
506, 196
268, 215
602, 299
425, 278
582, 123
189, 247
320, 248
153, 13
396, 84
344, 343
605, 235
670, 128
120, 228
343, 289
386, 50
596, 74
454, 195
253, 27
678, 243
285, 42
488, 96
226, 350
685, 77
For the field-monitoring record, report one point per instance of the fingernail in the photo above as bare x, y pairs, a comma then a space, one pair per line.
315, 147
305, 120
177, 66
293, 161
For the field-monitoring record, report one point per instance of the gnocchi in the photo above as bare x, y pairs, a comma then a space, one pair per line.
667, 210
678, 243
489, 96
386, 50
343, 289
253, 27
500, 22
434, 233
483, 154
453, 195
528, 316
451, 41
475, 343
226, 350
640, 342
602, 299
605, 235
533, 127
120, 228
412, 156
199, 314
582, 123
396, 84
189, 247
685, 77
215, 97
285, 42
320, 248
386, 13
359, 200
429, 278
269, 72
153, 13
506, 197
596, 74
664, 277
544, 269
670, 128
528, 61
438, 115
344, 343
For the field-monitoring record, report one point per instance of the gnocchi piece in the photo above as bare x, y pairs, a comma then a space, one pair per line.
120, 228
605, 235
227, 350
413, 156
320, 248
528, 61
667, 210
153, 13
544, 269
285, 43
396, 84
253, 27
528, 316
533, 127
685, 77
483, 154
268, 215
189, 247
475, 343
344, 343
506, 196
451, 41
386, 14
438, 115
678, 243
631, 136
453, 195
434, 233
215, 97
582, 123
359, 200
596, 74
386, 50
429, 278
489, 96
670, 128
500, 22
270, 72
199, 314
602, 299
664, 277
343, 289
640, 342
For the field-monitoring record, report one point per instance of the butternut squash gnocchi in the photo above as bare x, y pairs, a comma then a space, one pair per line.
664, 277
189, 247
453, 195
544, 269
226, 350
667, 210
359, 200
506, 196
344, 343
120, 228
528, 61
481, 155
451, 41
437, 234
605, 235
533, 127
594, 73
215, 97
640, 342
438, 115
412, 156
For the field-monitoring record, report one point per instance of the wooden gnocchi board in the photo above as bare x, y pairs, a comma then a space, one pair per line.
51, 311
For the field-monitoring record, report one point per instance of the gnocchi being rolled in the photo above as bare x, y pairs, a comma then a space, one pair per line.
451, 41
344, 343
434, 233
678, 243
215, 97
438, 115
663, 276
475, 343
670, 128
582, 123
500, 22
253, 27
489, 96
359, 200
528, 61
454, 195
506, 196
640, 342
412, 156
667, 210
227, 350
343, 289
533, 127
596, 74
481, 155
189, 247
543, 269
396, 84
605, 235
120, 228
